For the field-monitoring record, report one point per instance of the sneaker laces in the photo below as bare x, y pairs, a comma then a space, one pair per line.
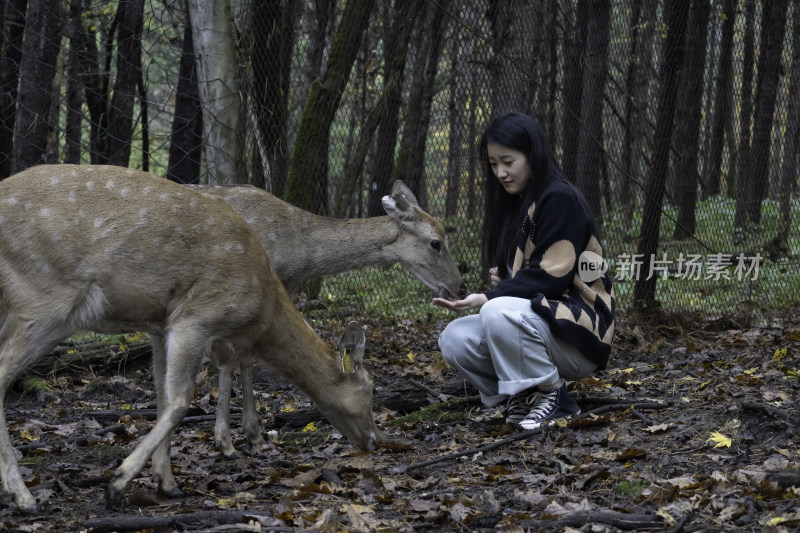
520, 404
544, 407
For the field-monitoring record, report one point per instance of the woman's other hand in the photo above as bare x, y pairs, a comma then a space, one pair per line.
495, 277
472, 301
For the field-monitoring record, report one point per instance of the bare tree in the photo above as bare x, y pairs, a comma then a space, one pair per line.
410, 164
403, 20
13, 31
687, 138
129, 53
217, 79
722, 101
746, 116
676, 14
186, 142
270, 57
308, 161
590, 147
37, 72
773, 30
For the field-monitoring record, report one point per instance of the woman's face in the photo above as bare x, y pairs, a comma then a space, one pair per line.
510, 167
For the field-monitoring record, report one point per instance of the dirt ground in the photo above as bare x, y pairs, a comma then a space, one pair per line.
689, 429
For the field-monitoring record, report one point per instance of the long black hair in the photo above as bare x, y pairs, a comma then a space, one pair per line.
504, 212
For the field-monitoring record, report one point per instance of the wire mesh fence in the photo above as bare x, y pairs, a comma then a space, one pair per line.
677, 120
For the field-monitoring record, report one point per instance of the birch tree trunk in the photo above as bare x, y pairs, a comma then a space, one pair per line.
218, 86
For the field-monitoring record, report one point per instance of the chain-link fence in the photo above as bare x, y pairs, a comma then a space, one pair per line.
678, 120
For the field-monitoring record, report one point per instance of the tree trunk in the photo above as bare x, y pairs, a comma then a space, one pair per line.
405, 17
186, 142
773, 30
460, 84
270, 56
129, 52
514, 57
675, 15
308, 161
743, 176
687, 138
72, 133
410, 165
37, 72
780, 243
590, 147
634, 109
217, 81
722, 102
14, 28
96, 88
573, 86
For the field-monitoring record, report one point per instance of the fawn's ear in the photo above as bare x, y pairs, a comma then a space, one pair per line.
351, 347
402, 202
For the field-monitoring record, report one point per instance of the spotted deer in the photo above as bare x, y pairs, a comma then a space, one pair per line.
303, 246
109, 249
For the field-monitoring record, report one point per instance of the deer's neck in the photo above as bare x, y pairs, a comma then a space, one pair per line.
332, 246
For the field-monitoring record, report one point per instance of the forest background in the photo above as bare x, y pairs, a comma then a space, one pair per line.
678, 120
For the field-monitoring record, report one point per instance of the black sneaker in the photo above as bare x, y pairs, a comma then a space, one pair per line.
520, 405
550, 406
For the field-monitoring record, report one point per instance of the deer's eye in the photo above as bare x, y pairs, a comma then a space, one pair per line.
436, 245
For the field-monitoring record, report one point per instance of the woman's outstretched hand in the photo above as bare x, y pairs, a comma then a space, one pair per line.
472, 301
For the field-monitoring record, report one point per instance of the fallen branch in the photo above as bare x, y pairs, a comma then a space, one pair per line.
178, 521
612, 518
574, 422
769, 410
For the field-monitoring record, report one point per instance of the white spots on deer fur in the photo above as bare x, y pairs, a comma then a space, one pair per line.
146, 191
110, 185
193, 203
177, 208
164, 196
46, 212
272, 236
98, 222
12, 200
54, 180
250, 220
28, 205
73, 196
125, 192
143, 221
90, 186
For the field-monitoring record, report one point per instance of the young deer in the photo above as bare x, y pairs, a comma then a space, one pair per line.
303, 246
109, 249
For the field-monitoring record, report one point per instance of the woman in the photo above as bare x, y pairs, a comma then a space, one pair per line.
549, 315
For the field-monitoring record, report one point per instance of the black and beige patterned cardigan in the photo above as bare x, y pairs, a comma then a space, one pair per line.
559, 267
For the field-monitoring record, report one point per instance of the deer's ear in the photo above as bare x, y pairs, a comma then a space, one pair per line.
351, 347
401, 203
400, 189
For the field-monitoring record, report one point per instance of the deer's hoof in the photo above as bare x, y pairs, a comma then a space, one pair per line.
114, 497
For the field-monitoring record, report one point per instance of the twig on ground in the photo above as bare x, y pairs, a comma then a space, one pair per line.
529, 433
611, 518
136, 522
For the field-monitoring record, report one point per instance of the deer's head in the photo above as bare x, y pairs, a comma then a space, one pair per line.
423, 243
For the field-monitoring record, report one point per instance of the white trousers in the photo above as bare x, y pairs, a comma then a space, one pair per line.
507, 348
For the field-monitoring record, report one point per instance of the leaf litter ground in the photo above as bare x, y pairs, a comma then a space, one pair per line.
687, 430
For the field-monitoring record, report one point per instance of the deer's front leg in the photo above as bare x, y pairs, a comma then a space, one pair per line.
250, 422
184, 349
161, 462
